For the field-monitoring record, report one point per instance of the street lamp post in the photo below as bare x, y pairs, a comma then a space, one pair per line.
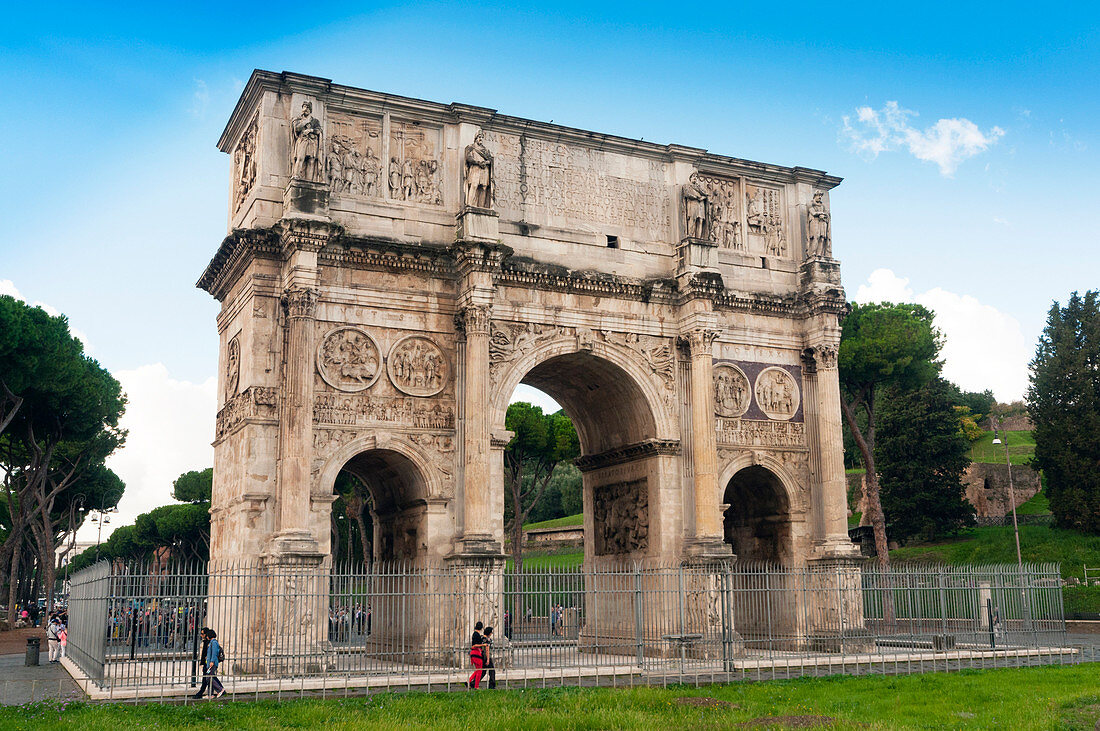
1015, 523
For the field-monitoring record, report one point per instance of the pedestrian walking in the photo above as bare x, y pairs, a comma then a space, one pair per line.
212, 652
53, 638
477, 656
489, 667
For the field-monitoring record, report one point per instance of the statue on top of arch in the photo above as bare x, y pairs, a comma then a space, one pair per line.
479, 174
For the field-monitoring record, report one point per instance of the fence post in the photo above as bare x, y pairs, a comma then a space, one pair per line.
639, 623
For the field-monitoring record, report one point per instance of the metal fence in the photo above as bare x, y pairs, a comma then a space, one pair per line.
134, 630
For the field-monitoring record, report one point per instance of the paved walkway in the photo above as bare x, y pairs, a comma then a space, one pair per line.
20, 684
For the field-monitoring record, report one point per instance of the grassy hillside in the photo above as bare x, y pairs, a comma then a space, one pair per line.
568, 521
1020, 448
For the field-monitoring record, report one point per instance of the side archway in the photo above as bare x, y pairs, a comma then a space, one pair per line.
758, 519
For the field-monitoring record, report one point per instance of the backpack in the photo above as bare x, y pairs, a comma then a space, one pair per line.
221, 654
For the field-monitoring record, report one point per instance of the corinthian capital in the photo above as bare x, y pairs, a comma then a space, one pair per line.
821, 357
699, 341
300, 302
473, 319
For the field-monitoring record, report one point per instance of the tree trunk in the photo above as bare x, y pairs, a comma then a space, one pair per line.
13, 578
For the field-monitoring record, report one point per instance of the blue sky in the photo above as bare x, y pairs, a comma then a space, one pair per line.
974, 192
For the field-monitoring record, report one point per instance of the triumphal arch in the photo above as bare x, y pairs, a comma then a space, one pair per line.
396, 267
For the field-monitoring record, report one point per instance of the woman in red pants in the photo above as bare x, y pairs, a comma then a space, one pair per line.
477, 656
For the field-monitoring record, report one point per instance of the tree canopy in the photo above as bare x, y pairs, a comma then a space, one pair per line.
1063, 401
882, 345
194, 486
921, 456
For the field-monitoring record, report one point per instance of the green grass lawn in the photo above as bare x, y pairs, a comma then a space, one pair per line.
568, 521
1021, 447
1031, 698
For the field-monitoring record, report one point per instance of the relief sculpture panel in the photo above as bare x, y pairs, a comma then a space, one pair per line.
621, 517
508, 341
731, 391
363, 410
724, 201
244, 164
354, 161
348, 359
764, 219
232, 367
414, 167
417, 366
777, 393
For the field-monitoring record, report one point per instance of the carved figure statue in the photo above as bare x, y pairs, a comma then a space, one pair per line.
819, 243
372, 167
395, 178
479, 174
306, 132
695, 208
334, 164
754, 213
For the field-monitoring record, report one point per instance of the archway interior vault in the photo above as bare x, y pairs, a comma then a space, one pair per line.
757, 522
397, 491
607, 407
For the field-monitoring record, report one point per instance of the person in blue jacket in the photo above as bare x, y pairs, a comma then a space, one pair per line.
212, 657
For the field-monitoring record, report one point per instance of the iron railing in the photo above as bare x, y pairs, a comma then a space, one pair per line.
134, 629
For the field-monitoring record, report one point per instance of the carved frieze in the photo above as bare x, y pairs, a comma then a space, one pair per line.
724, 203
508, 341
362, 409
417, 366
353, 165
764, 219
348, 359
776, 393
657, 352
254, 402
442, 448
751, 433
621, 517
327, 441
244, 164
731, 391
414, 166
232, 367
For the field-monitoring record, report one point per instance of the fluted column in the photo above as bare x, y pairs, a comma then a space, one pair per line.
833, 483
473, 321
704, 444
296, 419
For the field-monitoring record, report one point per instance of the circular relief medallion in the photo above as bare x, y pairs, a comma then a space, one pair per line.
417, 366
731, 391
349, 359
776, 393
232, 367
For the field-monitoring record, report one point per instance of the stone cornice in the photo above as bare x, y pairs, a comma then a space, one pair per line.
628, 453
360, 253
236, 251
757, 304
352, 99
520, 272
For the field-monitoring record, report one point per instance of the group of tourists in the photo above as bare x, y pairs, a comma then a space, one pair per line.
343, 621
57, 635
481, 657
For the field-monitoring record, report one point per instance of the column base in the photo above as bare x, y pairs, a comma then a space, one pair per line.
835, 549
478, 224
293, 544
707, 550
477, 547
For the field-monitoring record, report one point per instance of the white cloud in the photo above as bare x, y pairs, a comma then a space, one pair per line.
983, 348
947, 143
171, 425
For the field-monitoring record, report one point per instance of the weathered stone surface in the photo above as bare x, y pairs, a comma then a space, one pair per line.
396, 267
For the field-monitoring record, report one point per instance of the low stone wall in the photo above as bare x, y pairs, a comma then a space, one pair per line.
986, 489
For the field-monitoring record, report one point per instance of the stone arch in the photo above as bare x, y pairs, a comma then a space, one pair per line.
628, 441
761, 502
401, 480
659, 400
